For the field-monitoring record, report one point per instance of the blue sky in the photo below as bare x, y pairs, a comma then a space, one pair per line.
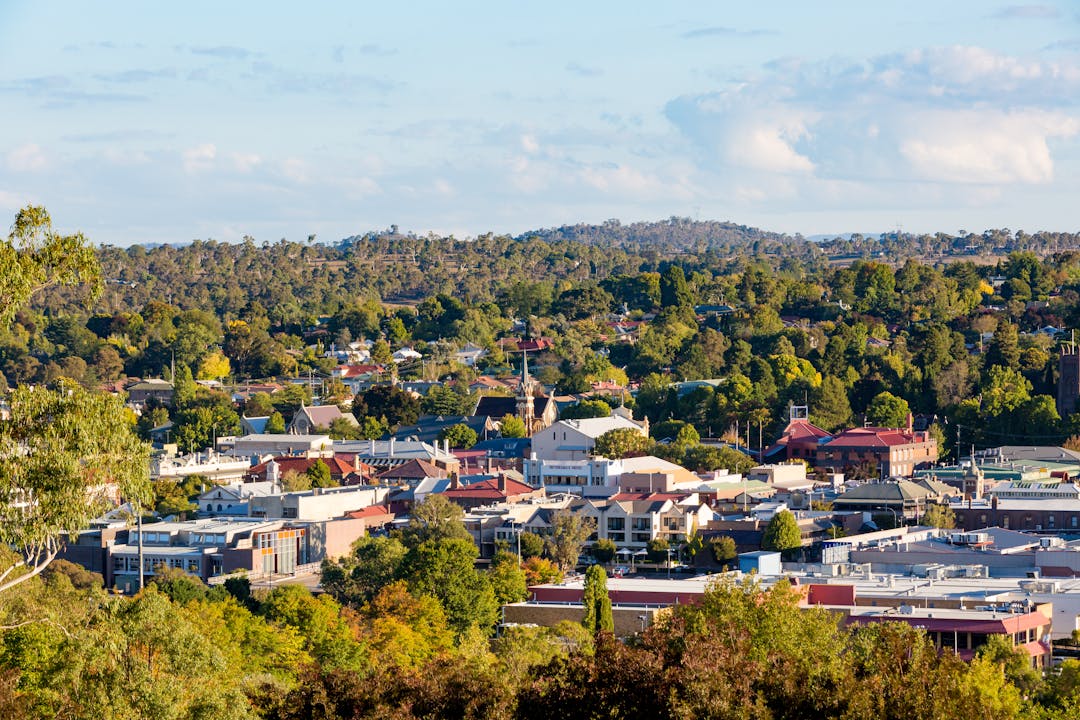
141, 122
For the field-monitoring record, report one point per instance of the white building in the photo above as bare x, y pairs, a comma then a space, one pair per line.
272, 444
233, 499
214, 467
317, 503
632, 522
575, 439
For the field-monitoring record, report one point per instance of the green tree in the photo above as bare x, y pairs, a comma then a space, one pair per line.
342, 429
939, 515
1013, 660
380, 353
782, 533
888, 410
392, 405
597, 602
604, 550
507, 578
357, 578
512, 426
460, 436
658, 550
59, 451
319, 621
674, 290
436, 518
586, 409
569, 532
724, 549
35, 257
318, 474
620, 443
275, 423
444, 569
532, 545
831, 409
372, 429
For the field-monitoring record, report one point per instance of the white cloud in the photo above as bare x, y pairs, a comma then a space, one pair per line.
985, 147
529, 144
769, 147
295, 169
27, 158
200, 158
245, 162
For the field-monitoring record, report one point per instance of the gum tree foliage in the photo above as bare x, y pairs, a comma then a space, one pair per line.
568, 533
59, 449
619, 443
357, 578
34, 257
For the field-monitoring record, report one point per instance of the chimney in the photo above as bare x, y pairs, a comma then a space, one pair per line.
390, 450
371, 448
502, 483
454, 482
910, 423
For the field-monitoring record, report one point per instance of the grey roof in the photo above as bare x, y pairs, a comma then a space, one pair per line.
886, 492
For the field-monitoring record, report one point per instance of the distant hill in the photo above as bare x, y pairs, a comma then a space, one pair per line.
675, 233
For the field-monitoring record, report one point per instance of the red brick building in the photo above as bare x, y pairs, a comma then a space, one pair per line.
884, 452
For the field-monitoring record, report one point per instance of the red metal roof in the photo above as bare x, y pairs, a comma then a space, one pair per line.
369, 512
489, 490
874, 437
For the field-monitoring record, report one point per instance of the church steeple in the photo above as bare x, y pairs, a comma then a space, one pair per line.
525, 407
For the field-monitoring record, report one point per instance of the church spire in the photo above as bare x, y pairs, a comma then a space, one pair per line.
525, 407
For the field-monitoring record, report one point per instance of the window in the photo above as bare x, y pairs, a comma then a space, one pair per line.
616, 523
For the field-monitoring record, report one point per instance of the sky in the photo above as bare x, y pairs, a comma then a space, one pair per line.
153, 122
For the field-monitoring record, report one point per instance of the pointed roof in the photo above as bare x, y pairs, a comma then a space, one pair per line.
873, 437
416, 469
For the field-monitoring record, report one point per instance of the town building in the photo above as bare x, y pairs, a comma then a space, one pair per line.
310, 420
214, 467
575, 439
882, 452
150, 389
317, 503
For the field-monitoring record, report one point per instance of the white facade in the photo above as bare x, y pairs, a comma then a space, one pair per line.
318, 503
272, 444
575, 439
634, 523
214, 467
233, 499
596, 476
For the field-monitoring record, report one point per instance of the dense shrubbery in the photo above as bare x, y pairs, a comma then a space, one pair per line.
180, 651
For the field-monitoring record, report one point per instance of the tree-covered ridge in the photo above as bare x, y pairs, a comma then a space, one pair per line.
853, 339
